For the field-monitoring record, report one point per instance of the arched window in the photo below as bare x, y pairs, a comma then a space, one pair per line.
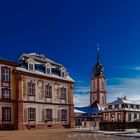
102, 84
103, 100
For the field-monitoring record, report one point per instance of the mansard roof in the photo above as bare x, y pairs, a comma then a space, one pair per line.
40, 62
122, 101
40, 58
88, 109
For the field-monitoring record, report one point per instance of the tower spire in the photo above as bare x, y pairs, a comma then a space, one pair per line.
98, 68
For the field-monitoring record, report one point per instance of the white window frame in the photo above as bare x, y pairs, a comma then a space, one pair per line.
5, 74
48, 68
31, 62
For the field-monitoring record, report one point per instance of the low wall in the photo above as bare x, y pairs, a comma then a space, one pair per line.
119, 125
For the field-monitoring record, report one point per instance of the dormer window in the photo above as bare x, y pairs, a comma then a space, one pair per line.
48, 68
63, 72
31, 67
31, 64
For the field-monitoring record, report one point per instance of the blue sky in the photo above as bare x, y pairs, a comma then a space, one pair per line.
68, 32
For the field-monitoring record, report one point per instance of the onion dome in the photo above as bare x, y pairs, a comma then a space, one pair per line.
98, 68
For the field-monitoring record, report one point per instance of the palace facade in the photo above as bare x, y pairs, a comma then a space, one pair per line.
36, 92
122, 110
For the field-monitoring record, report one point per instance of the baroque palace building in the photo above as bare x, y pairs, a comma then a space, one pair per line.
36, 92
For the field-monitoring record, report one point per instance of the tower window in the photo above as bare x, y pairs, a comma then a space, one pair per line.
102, 84
103, 100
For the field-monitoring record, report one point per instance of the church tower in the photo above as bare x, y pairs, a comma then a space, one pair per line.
98, 85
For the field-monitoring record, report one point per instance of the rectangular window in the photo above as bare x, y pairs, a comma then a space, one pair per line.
5, 74
63, 93
6, 94
135, 116
117, 106
110, 106
63, 115
112, 115
106, 117
137, 106
48, 91
131, 106
31, 89
63, 74
49, 114
119, 116
6, 114
48, 70
31, 114
129, 117
31, 67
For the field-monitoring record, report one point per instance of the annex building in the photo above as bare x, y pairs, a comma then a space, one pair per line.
120, 114
35, 92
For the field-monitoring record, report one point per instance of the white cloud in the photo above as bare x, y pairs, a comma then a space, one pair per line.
129, 87
117, 87
137, 68
81, 99
82, 89
81, 96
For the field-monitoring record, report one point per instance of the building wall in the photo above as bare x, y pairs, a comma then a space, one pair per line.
40, 102
10, 105
11, 86
40, 109
20, 101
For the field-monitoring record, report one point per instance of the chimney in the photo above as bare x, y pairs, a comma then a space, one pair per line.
124, 98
